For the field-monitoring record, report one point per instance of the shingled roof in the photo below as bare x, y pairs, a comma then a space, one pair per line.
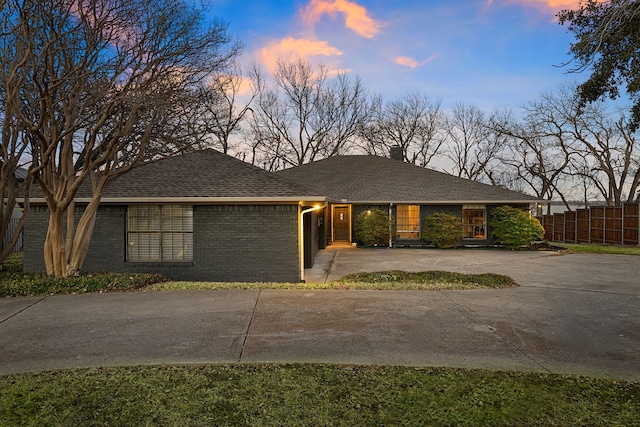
205, 176
373, 179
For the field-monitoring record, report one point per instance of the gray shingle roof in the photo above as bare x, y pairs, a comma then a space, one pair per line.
202, 174
378, 179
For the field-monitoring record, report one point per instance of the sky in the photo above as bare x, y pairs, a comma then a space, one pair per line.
487, 53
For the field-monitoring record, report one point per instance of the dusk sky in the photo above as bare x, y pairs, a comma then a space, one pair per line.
489, 53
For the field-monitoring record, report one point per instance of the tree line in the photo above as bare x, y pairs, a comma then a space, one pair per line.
554, 147
90, 89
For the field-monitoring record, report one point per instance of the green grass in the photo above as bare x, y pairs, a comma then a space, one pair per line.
14, 282
12, 263
599, 249
32, 284
396, 279
382, 280
312, 395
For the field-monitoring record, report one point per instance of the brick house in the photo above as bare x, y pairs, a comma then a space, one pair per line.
406, 191
198, 216
208, 216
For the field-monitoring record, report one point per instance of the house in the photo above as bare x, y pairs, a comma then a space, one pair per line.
208, 216
198, 216
406, 191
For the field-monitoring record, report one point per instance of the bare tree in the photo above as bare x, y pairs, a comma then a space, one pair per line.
221, 109
12, 184
472, 144
561, 144
305, 116
536, 156
413, 122
15, 147
101, 84
609, 153
604, 146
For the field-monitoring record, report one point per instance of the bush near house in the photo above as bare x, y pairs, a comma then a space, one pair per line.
514, 227
372, 228
442, 230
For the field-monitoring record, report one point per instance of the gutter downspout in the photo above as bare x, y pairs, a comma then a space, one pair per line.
390, 226
301, 234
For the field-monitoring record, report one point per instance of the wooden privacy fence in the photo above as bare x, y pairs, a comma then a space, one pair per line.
617, 225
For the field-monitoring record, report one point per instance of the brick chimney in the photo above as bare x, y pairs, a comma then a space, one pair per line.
396, 153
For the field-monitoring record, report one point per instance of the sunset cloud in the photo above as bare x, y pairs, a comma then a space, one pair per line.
548, 5
551, 5
413, 63
356, 17
291, 48
554, 4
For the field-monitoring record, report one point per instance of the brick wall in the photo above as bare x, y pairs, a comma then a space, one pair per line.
231, 243
247, 243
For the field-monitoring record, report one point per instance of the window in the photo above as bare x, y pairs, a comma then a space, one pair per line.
473, 222
160, 233
408, 222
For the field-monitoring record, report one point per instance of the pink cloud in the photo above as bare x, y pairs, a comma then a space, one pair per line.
291, 48
356, 17
412, 63
549, 5
554, 4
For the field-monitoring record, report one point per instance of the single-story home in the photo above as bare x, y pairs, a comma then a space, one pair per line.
408, 192
208, 216
197, 216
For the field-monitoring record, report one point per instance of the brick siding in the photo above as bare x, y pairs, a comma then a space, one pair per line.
248, 243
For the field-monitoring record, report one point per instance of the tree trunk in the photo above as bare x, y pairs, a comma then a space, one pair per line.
55, 256
62, 257
83, 234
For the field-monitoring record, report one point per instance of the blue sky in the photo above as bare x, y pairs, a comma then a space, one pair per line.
489, 53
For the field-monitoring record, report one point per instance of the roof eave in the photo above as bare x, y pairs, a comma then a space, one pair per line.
440, 202
195, 200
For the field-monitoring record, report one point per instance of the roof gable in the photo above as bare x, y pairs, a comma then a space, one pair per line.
379, 179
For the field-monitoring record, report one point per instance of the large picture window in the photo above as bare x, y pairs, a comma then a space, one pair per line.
408, 222
473, 222
160, 233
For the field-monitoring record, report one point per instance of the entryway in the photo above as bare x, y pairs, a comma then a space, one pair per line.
341, 223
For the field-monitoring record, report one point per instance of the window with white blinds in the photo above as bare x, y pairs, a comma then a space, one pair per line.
160, 233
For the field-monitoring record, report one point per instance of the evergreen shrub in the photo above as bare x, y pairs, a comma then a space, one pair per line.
442, 230
514, 228
372, 227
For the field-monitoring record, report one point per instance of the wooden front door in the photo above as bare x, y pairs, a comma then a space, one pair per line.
341, 224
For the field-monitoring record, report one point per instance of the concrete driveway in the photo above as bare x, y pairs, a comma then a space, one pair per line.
574, 314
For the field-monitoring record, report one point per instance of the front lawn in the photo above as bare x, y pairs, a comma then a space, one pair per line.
599, 249
13, 282
312, 395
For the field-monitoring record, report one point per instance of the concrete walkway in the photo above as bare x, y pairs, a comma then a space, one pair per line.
576, 314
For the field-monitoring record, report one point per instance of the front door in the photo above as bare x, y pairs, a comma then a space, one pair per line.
341, 224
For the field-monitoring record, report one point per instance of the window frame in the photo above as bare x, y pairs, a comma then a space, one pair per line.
411, 223
165, 230
474, 225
